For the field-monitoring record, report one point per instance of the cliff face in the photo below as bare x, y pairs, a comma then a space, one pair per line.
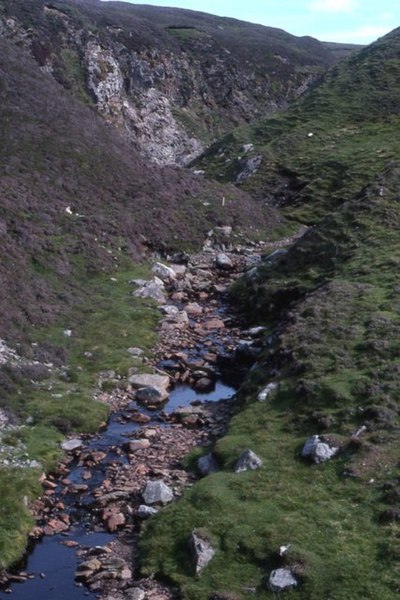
169, 80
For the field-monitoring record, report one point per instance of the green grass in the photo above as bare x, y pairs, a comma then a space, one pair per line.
353, 116
17, 486
332, 305
330, 521
186, 34
105, 324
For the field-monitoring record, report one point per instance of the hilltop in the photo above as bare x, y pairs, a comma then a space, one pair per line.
170, 80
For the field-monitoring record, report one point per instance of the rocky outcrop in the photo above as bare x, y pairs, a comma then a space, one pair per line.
170, 80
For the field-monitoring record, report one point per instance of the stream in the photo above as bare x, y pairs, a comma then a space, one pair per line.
103, 466
50, 562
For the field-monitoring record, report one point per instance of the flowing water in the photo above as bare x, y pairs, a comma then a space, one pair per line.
50, 561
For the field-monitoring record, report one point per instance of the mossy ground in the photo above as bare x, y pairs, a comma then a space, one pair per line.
337, 543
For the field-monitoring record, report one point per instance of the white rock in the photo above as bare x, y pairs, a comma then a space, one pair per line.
73, 444
202, 551
223, 261
157, 492
145, 511
318, 451
267, 391
164, 272
281, 580
153, 290
248, 461
160, 382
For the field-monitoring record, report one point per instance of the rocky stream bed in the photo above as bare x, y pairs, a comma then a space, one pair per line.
90, 514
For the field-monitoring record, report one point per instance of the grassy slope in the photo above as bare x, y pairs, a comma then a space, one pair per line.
351, 115
332, 304
65, 156
103, 327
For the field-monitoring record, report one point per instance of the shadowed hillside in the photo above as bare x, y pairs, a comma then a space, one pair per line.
56, 158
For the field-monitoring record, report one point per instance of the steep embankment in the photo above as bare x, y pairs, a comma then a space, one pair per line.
331, 305
76, 199
169, 80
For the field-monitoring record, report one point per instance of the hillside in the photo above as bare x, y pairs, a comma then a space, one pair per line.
80, 209
325, 148
330, 302
63, 157
169, 80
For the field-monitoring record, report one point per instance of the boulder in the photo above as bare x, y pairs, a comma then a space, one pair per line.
150, 396
165, 273
152, 289
207, 464
160, 382
267, 391
318, 451
157, 492
202, 551
134, 445
71, 445
248, 461
281, 580
204, 384
223, 262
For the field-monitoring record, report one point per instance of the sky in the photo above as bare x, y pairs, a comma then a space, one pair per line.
353, 21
